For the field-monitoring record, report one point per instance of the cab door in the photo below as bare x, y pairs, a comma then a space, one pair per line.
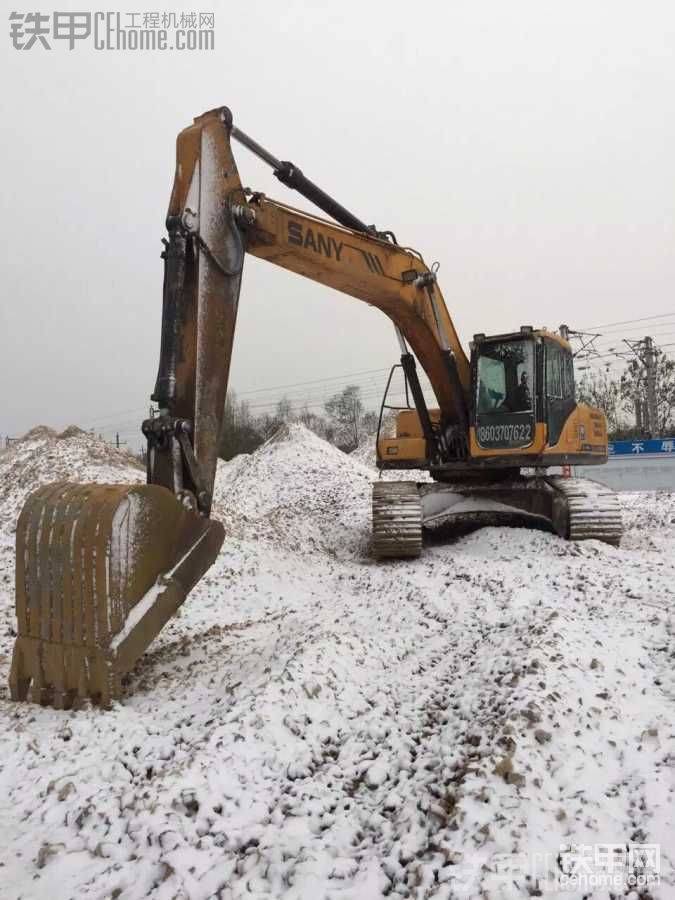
558, 388
505, 391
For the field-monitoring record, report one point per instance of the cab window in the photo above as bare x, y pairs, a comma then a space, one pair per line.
554, 371
559, 373
505, 377
559, 389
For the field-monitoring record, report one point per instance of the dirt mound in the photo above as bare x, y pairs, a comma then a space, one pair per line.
298, 492
42, 456
365, 452
39, 433
72, 431
44, 432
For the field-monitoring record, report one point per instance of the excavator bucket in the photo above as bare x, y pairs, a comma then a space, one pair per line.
99, 571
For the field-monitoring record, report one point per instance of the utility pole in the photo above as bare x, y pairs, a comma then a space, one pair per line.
650, 367
646, 408
638, 414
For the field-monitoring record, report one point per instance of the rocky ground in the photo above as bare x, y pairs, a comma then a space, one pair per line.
317, 725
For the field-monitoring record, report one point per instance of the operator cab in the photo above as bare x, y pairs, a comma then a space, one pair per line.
520, 380
522, 409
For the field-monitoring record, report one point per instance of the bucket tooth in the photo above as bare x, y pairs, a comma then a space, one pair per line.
99, 571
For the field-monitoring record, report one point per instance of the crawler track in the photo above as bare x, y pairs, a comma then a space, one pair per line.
593, 510
397, 519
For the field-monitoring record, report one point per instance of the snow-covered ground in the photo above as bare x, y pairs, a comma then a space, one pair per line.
317, 725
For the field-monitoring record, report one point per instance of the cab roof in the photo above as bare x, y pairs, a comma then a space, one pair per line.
526, 331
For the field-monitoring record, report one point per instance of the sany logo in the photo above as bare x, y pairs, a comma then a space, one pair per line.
319, 243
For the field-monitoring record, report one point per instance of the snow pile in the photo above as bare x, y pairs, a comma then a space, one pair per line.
42, 456
298, 492
314, 724
365, 452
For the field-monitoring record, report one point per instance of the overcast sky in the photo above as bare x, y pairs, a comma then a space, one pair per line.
526, 146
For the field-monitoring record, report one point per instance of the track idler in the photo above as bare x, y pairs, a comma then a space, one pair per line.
99, 570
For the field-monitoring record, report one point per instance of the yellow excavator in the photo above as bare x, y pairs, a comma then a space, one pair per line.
101, 568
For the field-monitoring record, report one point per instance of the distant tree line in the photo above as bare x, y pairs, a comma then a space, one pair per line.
343, 421
622, 397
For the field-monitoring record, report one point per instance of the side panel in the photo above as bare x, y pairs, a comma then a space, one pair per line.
584, 433
403, 450
583, 440
408, 422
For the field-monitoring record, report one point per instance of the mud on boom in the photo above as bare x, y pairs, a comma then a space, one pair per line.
101, 568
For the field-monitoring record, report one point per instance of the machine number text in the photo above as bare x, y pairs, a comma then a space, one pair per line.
510, 433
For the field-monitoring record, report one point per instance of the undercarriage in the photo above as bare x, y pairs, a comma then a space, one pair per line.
574, 508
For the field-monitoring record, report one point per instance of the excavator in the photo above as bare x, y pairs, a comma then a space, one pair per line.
101, 568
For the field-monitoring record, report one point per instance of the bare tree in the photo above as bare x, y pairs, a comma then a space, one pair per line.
345, 411
369, 422
239, 432
284, 411
601, 390
316, 423
633, 390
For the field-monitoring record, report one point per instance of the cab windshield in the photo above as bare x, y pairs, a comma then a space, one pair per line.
505, 377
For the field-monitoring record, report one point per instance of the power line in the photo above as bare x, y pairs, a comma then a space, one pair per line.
614, 355
638, 329
122, 412
281, 387
610, 345
108, 420
629, 321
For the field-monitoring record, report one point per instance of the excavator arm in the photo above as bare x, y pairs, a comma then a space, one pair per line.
212, 222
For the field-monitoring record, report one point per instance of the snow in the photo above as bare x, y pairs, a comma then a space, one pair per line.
144, 605
150, 598
314, 724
